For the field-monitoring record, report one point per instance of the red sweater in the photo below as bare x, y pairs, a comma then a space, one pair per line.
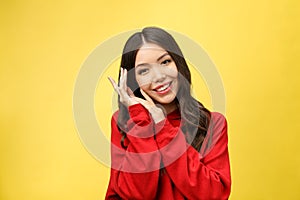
159, 164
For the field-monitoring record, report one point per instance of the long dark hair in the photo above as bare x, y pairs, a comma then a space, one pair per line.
195, 116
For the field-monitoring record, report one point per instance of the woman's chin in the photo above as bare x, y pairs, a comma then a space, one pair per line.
164, 100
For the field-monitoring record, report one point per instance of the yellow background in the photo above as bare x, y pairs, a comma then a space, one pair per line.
254, 44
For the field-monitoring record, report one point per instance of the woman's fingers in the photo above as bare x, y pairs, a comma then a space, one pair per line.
129, 91
146, 96
156, 112
145, 103
123, 86
122, 89
142, 101
114, 84
121, 78
127, 97
125, 80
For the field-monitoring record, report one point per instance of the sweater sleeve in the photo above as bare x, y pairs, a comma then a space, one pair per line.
134, 171
204, 175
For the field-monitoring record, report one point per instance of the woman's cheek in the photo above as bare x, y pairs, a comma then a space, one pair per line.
144, 86
143, 81
172, 71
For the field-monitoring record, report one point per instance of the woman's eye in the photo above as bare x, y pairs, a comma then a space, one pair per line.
166, 62
142, 71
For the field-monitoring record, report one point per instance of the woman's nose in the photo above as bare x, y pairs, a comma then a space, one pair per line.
159, 75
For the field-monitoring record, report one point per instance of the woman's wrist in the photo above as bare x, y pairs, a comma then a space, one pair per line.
156, 114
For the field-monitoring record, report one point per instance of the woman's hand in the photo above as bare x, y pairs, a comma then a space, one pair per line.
127, 97
156, 112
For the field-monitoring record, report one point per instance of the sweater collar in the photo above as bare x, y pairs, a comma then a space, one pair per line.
175, 114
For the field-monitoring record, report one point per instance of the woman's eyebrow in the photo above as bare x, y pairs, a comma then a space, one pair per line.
162, 56
142, 64
159, 58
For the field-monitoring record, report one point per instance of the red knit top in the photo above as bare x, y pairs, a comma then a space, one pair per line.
159, 164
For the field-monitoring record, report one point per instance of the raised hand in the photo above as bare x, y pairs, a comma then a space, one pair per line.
127, 97
156, 112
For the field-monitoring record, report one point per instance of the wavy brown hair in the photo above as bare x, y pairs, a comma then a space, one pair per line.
195, 116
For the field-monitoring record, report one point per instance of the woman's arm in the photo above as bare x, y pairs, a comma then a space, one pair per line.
197, 177
135, 171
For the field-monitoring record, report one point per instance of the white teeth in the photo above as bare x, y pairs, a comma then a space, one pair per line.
163, 87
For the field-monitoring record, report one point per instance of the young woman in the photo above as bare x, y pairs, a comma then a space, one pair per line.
165, 143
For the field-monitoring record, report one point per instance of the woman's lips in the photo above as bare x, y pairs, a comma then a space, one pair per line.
163, 89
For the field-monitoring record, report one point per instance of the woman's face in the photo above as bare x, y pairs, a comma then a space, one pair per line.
156, 73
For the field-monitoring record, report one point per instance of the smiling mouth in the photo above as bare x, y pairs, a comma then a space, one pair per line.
163, 88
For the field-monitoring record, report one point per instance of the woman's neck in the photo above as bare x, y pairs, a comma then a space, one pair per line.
170, 107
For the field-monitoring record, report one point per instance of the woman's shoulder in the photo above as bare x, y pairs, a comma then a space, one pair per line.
218, 119
217, 115
217, 125
216, 133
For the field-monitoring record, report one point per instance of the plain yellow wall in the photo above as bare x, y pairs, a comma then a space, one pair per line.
254, 44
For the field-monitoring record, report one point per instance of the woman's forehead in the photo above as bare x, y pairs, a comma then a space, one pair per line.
149, 53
